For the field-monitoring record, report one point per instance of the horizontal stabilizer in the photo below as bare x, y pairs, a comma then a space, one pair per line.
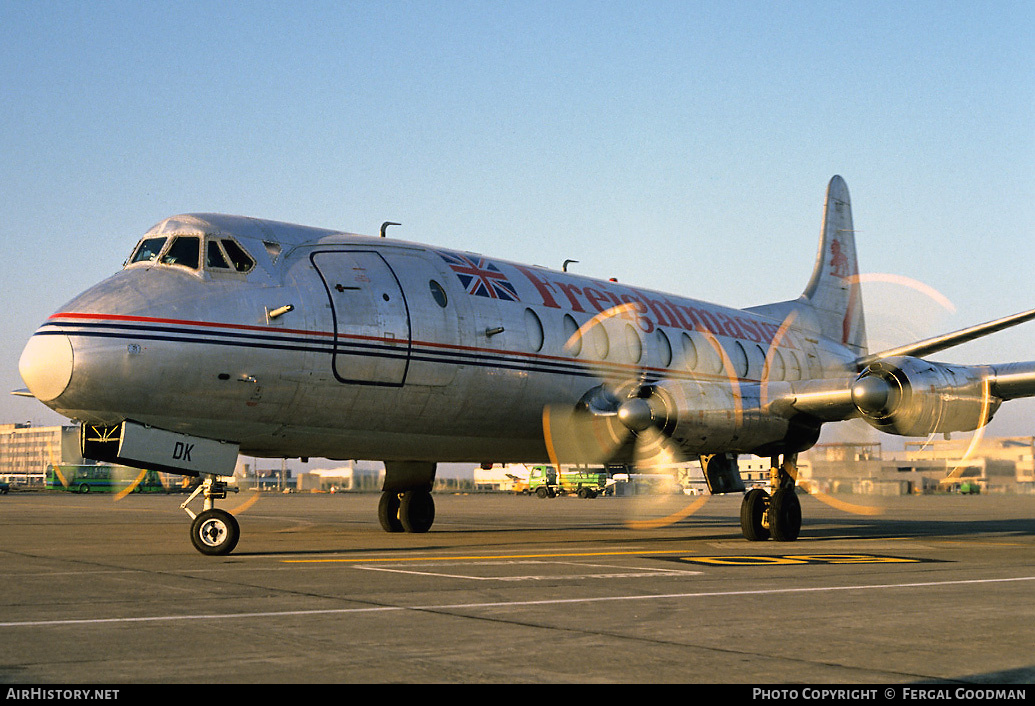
23, 393
948, 340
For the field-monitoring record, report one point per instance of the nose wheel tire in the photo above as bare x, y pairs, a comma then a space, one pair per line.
215, 532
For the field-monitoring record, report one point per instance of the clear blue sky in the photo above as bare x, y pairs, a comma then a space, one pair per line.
680, 145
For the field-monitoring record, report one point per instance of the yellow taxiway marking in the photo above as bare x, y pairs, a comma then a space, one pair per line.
980, 544
798, 559
492, 557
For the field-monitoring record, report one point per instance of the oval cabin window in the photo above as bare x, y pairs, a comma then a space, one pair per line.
534, 330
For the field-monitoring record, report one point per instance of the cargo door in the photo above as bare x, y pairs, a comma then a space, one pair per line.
372, 341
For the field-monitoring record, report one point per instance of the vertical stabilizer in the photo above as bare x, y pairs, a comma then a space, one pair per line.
834, 292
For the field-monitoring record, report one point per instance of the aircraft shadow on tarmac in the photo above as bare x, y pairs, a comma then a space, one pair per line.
1021, 675
846, 528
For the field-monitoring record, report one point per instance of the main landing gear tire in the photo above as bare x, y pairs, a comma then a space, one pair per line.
411, 511
388, 512
752, 515
215, 532
416, 511
785, 515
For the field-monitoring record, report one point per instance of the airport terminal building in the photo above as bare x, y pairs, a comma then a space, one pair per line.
975, 464
26, 451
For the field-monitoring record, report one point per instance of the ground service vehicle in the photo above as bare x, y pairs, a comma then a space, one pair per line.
546, 482
103, 478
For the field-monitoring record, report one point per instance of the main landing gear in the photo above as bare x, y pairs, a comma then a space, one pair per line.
214, 532
406, 504
778, 515
408, 511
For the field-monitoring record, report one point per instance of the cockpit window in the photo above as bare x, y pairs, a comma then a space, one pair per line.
214, 256
226, 254
241, 260
273, 250
148, 250
185, 251
220, 254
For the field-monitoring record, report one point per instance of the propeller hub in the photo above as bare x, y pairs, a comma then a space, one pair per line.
636, 414
872, 394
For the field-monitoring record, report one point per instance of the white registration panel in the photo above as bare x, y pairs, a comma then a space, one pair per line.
147, 446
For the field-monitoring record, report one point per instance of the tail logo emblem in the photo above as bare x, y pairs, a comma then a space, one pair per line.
839, 265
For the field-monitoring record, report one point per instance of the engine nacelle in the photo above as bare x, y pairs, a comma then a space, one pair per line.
914, 397
704, 418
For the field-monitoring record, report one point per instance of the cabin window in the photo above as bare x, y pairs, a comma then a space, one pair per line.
633, 346
664, 349
689, 352
572, 338
793, 366
184, 251
739, 359
777, 369
759, 361
438, 294
148, 250
534, 330
600, 340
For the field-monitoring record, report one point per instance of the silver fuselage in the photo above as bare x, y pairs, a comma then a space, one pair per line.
346, 346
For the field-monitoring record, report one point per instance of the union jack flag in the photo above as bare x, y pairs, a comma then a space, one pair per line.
480, 277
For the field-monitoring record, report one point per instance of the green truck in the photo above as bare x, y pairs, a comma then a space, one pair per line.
545, 482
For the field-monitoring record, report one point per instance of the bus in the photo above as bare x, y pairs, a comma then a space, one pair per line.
105, 478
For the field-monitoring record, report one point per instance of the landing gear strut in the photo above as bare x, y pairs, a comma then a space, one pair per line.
778, 515
214, 532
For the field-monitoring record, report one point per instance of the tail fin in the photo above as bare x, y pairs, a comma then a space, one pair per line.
834, 292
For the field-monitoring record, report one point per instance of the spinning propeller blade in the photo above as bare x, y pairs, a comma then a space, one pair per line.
621, 421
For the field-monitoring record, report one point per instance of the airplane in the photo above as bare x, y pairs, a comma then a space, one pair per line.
225, 335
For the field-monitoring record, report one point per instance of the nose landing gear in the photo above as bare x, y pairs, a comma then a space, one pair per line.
213, 532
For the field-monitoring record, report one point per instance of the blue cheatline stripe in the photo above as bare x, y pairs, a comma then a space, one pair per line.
377, 348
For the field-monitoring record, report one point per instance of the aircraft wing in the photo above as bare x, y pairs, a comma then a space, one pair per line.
895, 391
899, 392
929, 346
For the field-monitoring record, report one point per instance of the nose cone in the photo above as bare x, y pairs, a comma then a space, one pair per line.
46, 365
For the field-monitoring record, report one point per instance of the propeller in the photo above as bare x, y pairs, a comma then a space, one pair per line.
627, 418
624, 419
898, 309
